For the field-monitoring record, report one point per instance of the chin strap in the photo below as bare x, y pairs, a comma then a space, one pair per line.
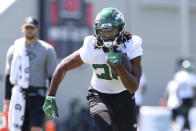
108, 44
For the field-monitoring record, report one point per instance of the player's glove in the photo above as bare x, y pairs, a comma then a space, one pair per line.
50, 108
113, 58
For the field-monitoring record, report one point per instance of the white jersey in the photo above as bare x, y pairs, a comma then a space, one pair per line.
173, 101
138, 93
103, 80
186, 83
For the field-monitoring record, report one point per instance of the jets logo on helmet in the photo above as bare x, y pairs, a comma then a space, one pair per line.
185, 64
109, 27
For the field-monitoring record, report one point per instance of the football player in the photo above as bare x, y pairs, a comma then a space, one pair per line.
186, 81
180, 93
114, 80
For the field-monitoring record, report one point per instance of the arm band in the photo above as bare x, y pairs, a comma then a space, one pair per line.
8, 87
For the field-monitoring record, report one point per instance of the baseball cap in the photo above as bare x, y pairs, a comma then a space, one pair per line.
30, 21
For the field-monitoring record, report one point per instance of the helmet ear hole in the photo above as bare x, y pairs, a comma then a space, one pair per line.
120, 35
119, 39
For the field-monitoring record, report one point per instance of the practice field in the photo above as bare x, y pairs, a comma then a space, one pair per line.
159, 119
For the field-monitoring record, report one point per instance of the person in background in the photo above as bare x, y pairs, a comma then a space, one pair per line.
172, 101
180, 92
30, 62
186, 81
140, 91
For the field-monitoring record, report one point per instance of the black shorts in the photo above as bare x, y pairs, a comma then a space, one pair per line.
33, 113
183, 109
175, 113
113, 112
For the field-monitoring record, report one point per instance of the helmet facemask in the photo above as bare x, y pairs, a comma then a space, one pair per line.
109, 36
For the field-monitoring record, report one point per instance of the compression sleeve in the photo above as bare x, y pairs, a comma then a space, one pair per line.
8, 87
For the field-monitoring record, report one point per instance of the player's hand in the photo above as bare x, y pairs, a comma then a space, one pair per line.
50, 108
114, 58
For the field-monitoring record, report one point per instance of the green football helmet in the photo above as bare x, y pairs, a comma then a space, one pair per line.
186, 64
109, 27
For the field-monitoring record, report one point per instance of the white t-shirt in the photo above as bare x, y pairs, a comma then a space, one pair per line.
186, 83
103, 79
173, 101
138, 93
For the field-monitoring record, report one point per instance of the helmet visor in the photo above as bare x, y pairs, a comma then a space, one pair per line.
108, 34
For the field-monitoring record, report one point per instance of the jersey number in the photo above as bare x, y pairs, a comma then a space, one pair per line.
106, 75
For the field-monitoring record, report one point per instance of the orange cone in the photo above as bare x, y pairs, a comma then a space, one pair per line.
3, 121
50, 125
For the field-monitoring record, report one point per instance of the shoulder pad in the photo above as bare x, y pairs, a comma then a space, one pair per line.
137, 41
87, 39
